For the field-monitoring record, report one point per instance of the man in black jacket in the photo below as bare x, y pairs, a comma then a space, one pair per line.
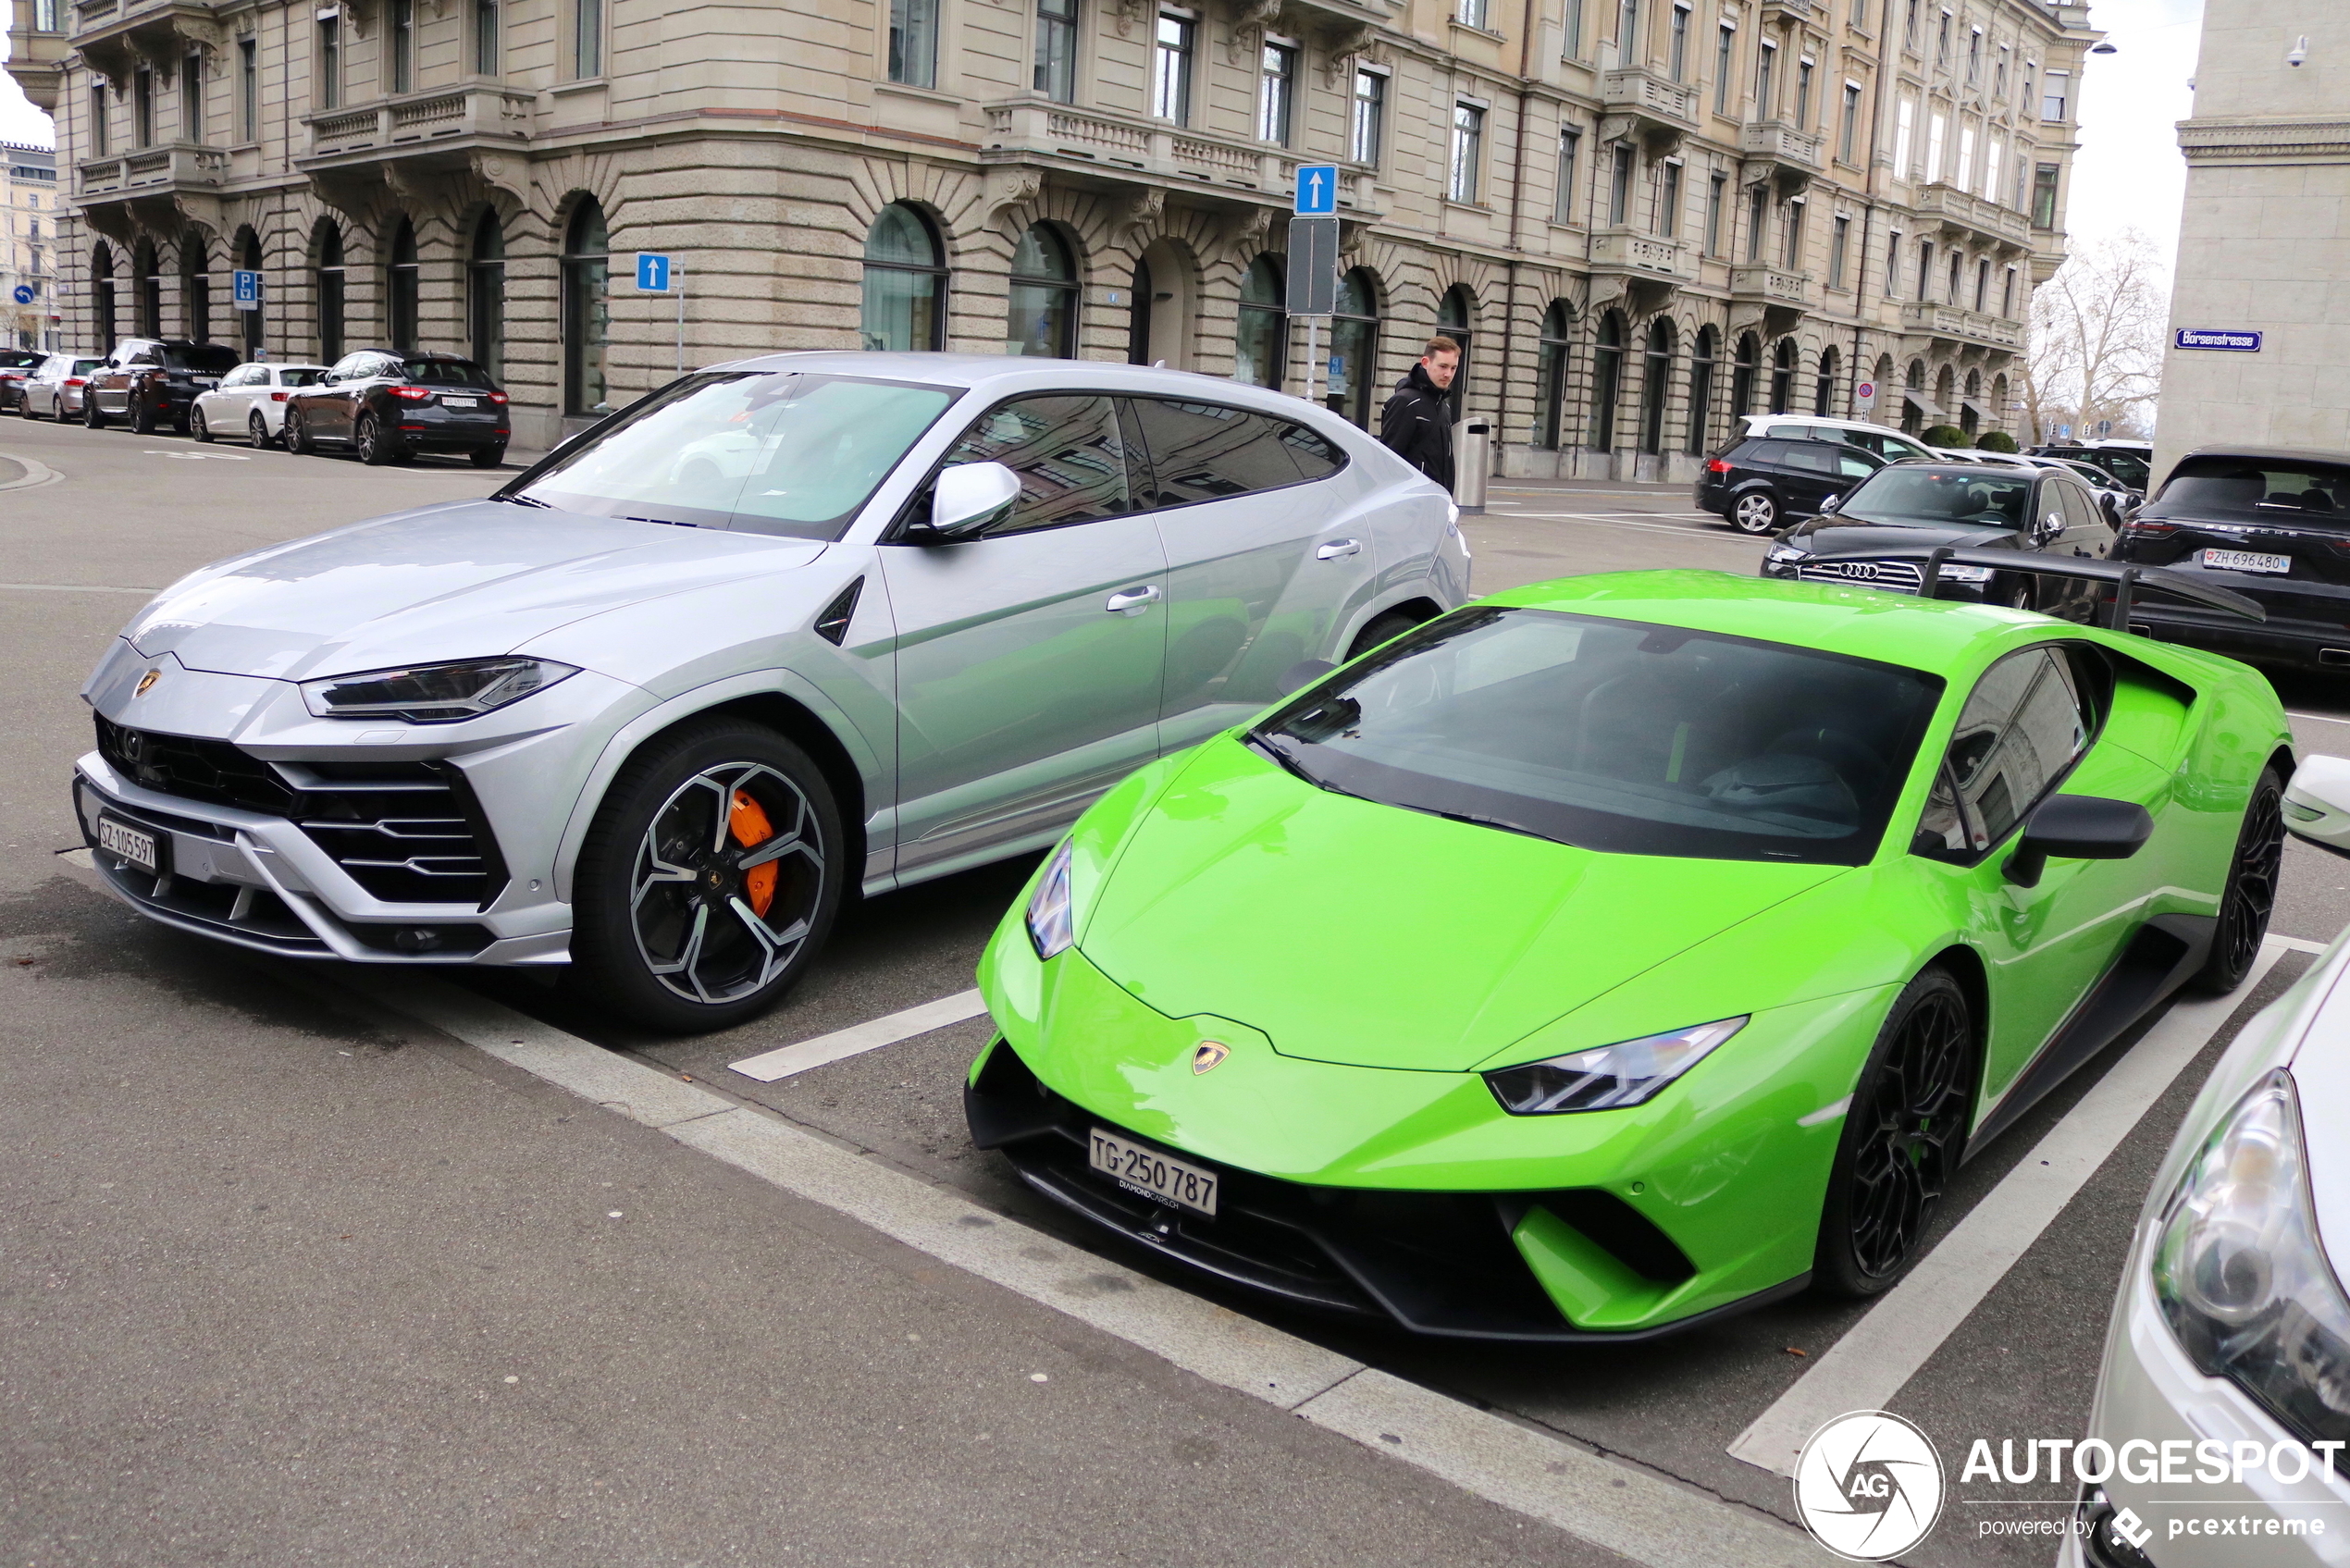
1416, 424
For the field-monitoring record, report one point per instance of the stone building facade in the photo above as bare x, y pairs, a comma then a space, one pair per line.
2264, 240
29, 214
1641, 215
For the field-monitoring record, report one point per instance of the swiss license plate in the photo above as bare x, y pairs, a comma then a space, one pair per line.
1153, 1175
134, 846
2244, 560
460, 402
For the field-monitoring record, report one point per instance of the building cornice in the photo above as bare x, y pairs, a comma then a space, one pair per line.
2265, 141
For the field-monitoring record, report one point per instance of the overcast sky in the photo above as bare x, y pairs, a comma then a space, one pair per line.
2129, 171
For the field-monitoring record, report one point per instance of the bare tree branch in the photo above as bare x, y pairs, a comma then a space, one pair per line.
2097, 338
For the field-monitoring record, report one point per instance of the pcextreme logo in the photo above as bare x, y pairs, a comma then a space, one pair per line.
1868, 1486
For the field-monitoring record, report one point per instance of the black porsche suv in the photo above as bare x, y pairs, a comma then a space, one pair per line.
152, 381
2272, 524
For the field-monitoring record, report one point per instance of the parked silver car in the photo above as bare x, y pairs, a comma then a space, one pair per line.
788, 627
54, 390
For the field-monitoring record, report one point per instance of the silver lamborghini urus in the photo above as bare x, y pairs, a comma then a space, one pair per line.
787, 628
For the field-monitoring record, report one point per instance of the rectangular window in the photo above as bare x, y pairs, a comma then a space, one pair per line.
1981, 285
1792, 258
1171, 65
1975, 56
1965, 171
402, 46
1369, 125
1470, 13
1275, 84
1056, 73
330, 62
1676, 49
1999, 76
1905, 136
1803, 94
1950, 293
1926, 270
1837, 242
1766, 62
1668, 201
1909, 33
1849, 127
2029, 67
1619, 186
1468, 146
98, 137
586, 39
1726, 50
1570, 162
1942, 42
2044, 196
248, 89
45, 17
1893, 266
2007, 295
487, 42
1628, 33
1994, 158
142, 108
1758, 213
2054, 89
1571, 30
913, 42
1937, 133
191, 98
1716, 198
2022, 173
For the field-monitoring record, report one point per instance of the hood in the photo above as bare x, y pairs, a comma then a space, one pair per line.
1349, 931
1842, 531
461, 581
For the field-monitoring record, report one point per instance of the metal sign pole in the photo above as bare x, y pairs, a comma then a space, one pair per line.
1313, 354
681, 328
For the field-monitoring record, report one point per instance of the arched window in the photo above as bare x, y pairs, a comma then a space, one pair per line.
1782, 376
1999, 410
1913, 399
331, 292
486, 296
1702, 362
102, 294
905, 283
1138, 305
195, 288
1607, 381
402, 293
1260, 349
1971, 406
1044, 306
586, 267
1456, 320
1743, 370
1824, 398
1355, 346
1552, 362
249, 260
1946, 396
148, 268
1656, 385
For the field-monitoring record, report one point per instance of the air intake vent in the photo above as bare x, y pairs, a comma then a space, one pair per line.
833, 624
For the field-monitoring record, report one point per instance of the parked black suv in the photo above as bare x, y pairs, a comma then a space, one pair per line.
1760, 484
2131, 463
2272, 524
388, 406
16, 367
152, 381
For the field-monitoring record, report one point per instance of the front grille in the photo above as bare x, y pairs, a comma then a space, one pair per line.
409, 832
1893, 576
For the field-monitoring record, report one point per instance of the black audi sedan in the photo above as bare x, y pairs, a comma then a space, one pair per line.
2271, 523
388, 405
1968, 506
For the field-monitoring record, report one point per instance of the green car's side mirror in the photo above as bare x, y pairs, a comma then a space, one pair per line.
2078, 827
2316, 804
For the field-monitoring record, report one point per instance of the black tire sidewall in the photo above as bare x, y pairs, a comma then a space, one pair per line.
1384, 627
605, 963
1835, 1271
2218, 977
297, 435
257, 433
373, 450
199, 427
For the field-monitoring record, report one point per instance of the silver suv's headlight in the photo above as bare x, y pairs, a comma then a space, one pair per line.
432, 694
2241, 1276
1051, 926
1607, 1077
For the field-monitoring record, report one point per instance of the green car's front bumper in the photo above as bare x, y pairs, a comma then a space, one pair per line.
1412, 1195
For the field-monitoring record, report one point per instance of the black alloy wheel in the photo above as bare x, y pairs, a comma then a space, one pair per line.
297, 434
199, 427
1757, 512
142, 418
2250, 895
375, 451
257, 432
487, 457
90, 417
710, 879
1904, 1131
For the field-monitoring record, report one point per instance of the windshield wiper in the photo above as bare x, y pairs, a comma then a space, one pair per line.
522, 500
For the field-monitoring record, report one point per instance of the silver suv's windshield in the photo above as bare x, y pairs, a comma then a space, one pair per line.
1617, 736
754, 451
1975, 497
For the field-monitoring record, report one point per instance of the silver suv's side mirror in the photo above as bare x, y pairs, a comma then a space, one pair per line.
969, 499
1830, 504
2316, 803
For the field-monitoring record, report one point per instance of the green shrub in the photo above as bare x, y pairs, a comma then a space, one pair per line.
1945, 436
1996, 441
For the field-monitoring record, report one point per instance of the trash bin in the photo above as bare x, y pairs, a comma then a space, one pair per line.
1472, 460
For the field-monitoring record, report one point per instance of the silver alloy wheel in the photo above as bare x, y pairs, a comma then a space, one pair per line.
690, 902
256, 431
1754, 515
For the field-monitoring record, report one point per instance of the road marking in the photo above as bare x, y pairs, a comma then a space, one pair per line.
197, 456
1628, 1511
75, 588
2320, 718
1621, 520
872, 1035
1879, 1354
35, 473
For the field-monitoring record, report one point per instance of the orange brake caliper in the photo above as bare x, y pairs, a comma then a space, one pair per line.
749, 824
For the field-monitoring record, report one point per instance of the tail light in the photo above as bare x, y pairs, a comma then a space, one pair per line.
1715, 465
2142, 528
75, 381
498, 397
410, 394
278, 397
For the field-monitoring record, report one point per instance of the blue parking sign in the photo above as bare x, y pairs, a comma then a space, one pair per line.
652, 273
1316, 191
245, 287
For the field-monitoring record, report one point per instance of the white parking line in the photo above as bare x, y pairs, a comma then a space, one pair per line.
1641, 1516
1884, 1350
2320, 718
75, 588
786, 1060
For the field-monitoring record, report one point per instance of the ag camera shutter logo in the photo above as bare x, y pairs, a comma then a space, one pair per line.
1868, 1486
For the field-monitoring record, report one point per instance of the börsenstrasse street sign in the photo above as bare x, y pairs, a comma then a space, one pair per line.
2218, 337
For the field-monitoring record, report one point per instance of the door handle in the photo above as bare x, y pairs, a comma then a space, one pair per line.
1335, 548
1132, 598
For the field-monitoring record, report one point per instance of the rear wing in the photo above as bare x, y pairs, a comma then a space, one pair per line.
2127, 580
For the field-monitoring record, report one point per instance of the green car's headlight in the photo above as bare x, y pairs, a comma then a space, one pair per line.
1606, 1077
2239, 1275
1050, 927
432, 694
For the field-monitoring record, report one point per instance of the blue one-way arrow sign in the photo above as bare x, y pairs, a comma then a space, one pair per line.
652, 273
1316, 191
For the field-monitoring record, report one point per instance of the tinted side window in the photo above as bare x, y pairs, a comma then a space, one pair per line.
1069, 455
1855, 465
2081, 512
444, 373
1315, 458
2024, 726
1769, 453
1813, 457
1202, 452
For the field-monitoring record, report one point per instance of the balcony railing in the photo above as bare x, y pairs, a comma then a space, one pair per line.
1771, 285
1962, 326
1777, 142
1154, 147
1640, 93
1959, 210
476, 109
1648, 255
172, 166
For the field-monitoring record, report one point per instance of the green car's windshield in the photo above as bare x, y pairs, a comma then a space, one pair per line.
1975, 497
1617, 736
758, 452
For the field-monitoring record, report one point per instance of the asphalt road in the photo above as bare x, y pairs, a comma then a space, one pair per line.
288, 1281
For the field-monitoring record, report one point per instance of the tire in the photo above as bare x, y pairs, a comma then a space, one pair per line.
257, 435
2249, 896
142, 418
487, 457
1383, 628
664, 927
374, 450
1904, 1133
297, 437
1757, 512
199, 427
90, 417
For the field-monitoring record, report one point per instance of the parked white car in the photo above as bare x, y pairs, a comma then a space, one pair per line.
2232, 1330
1885, 442
251, 399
